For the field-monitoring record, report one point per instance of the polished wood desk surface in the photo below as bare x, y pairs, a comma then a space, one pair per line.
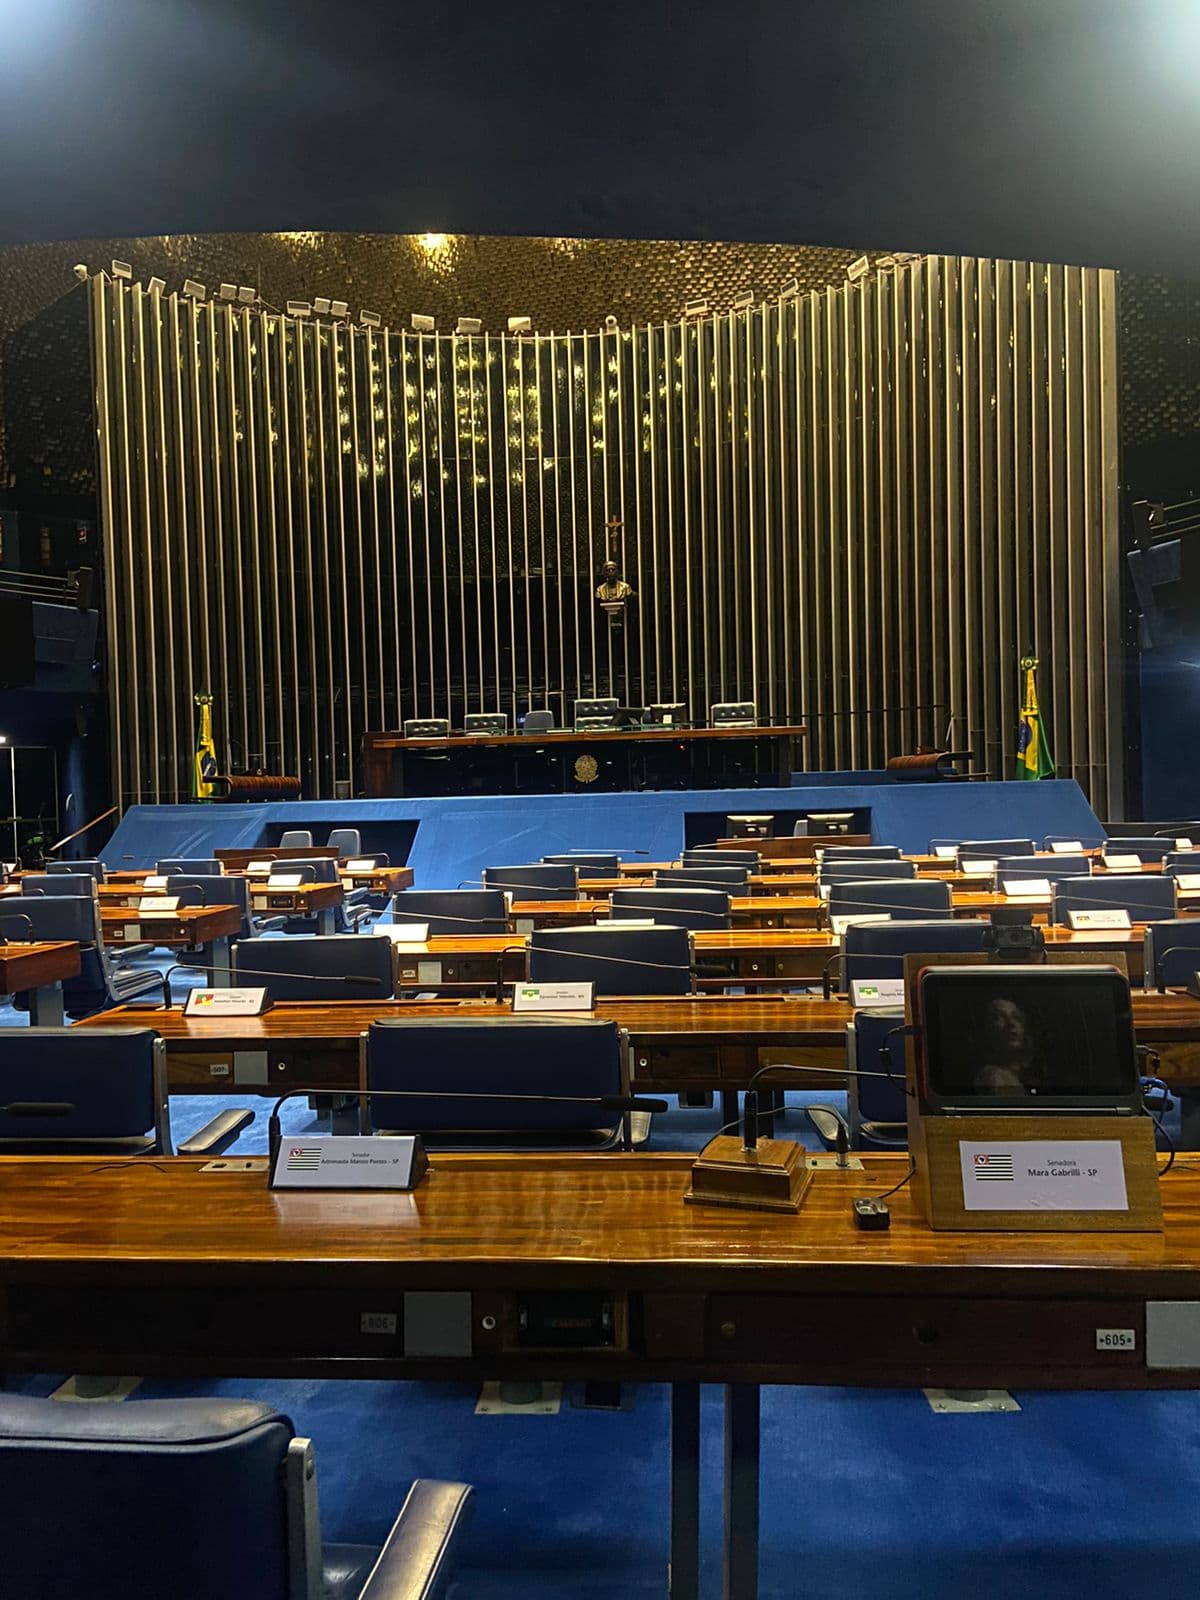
25, 965
304, 897
187, 925
530, 741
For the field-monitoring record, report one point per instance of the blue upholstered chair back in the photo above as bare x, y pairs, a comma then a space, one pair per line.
616, 960
700, 856
114, 1492
296, 839
853, 869
674, 908
861, 852
541, 881
877, 1103
203, 866
993, 849
538, 722
346, 841
59, 883
501, 1055
112, 1080
1147, 897
1147, 847
449, 911
877, 950
1181, 861
92, 868
733, 880
67, 916
298, 964
215, 889
892, 897
1089, 841
595, 863
1172, 952
1052, 867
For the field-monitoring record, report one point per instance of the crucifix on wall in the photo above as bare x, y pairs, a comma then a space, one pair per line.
613, 592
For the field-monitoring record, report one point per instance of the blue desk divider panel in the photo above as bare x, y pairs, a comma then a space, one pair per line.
455, 838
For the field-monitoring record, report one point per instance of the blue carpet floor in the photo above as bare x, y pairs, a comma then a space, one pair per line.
866, 1493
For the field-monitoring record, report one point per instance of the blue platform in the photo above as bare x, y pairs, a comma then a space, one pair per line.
449, 841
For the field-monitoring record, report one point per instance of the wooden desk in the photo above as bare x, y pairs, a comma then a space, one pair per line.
238, 860
319, 900
188, 928
163, 1268
379, 880
39, 969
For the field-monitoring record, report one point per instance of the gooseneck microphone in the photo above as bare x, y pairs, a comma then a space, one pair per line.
257, 972
602, 1102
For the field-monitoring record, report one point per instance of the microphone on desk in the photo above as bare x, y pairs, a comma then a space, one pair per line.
750, 1112
602, 1102
1160, 962
15, 916
258, 972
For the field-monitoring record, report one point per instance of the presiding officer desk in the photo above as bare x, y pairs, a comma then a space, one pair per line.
189, 1267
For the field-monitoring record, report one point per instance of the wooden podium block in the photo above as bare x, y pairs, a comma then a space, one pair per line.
773, 1177
938, 1180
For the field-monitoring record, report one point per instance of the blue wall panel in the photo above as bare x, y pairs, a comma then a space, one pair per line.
457, 838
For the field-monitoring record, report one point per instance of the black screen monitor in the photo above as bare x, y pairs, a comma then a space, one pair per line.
995, 1038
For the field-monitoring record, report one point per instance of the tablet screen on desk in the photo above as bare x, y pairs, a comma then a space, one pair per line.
999, 1038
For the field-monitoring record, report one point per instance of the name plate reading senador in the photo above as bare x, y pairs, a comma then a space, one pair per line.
334, 1161
156, 880
415, 933
865, 993
1183, 844
553, 997
1107, 921
1123, 863
227, 1003
978, 869
360, 865
1043, 1175
945, 852
1027, 888
258, 869
1188, 881
285, 880
1067, 847
158, 905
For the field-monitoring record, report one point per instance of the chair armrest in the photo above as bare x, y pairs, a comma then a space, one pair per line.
122, 952
415, 1563
826, 1120
217, 1135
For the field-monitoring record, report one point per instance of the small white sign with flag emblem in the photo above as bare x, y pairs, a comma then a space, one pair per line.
1043, 1175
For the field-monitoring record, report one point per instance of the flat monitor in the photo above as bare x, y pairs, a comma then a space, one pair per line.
830, 823
1028, 1039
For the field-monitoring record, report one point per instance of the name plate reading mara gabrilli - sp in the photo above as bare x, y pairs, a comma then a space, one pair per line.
1043, 1175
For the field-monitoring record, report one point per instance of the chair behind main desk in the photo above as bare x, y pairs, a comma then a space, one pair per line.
1172, 953
618, 961
540, 881
874, 950
697, 909
187, 1499
892, 897
450, 911
440, 1057
1146, 897
94, 1091
296, 839
327, 967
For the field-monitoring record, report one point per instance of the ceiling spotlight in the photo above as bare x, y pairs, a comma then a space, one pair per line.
193, 290
790, 290
611, 323
695, 308
299, 308
433, 241
246, 294
858, 268
122, 269
743, 301
80, 270
520, 324
321, 306
421, 323
156, 285
227, 291
468, 325
369, 319
338, 308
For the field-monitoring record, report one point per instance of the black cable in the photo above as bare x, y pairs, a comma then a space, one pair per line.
887, 1193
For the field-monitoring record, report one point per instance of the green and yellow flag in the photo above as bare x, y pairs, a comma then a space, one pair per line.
204, 769
1033, 750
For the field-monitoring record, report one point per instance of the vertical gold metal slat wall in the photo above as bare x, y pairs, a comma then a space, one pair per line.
858, 507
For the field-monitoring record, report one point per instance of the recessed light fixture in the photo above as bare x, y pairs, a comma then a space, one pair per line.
422, 323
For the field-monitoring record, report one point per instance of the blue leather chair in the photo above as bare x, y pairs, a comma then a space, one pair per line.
354, 910
346, 841
449, 911
674, 908
993, 849
296, 839
877, 950
542, 881
108, 1091
903, 898
1182, 861
91, 866
1089, 841
617, 961
1146, 847
538, 722
501, 1055
853, 870
59, 883
319, 967
1172, 952
729, 880
223, 889
1054, 868
1147, 897
700, 856
595, 863
114, 1493
876, 1108
204, 866
100, 982
861, 852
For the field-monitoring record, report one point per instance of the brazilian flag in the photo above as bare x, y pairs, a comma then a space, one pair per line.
204, 769
1033, 750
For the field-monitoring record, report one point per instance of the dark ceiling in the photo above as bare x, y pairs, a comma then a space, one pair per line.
1044, 129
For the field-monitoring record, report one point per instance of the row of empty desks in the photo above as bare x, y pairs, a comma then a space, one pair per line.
205, 1272
689, 1044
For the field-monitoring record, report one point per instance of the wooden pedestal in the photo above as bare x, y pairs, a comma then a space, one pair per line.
772, 1177
938, 1184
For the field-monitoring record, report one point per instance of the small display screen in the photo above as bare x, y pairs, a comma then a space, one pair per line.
1009, 1036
